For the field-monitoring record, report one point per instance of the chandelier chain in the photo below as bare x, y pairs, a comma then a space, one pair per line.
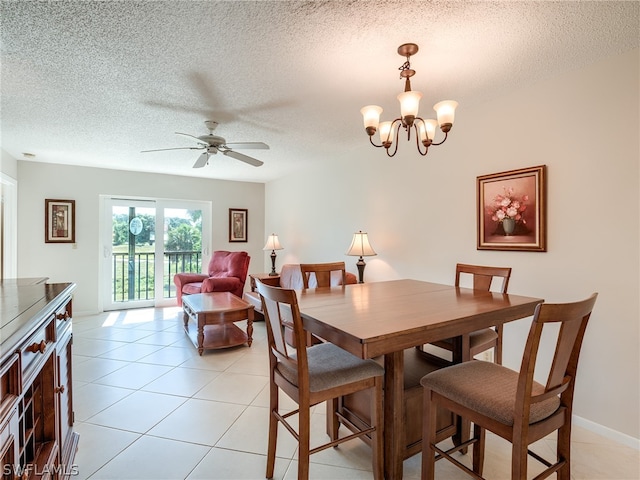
403, 68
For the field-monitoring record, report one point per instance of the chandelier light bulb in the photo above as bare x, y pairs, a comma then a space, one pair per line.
409, 104
427, 129
371, 117
386, 133
446, 111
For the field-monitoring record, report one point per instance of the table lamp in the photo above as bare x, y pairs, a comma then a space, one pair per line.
273, 244
361, 247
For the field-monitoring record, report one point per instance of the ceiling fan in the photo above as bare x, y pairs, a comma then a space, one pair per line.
212, 144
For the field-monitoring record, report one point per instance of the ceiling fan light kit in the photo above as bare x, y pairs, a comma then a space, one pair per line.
213, 144
425, 130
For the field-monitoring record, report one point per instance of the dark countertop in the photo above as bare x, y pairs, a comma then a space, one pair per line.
24, 304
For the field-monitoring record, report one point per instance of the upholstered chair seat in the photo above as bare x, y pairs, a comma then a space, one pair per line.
330, 367
489, 389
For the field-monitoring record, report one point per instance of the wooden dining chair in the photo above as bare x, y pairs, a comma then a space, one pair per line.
509, 403
312, 375
322, 273
487, 338
319, 275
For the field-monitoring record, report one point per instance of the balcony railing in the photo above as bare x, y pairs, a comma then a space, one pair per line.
134, 277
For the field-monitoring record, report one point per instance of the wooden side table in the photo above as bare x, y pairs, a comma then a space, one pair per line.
217, 311
273, 280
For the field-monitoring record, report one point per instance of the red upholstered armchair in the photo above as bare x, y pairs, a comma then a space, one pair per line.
227, 273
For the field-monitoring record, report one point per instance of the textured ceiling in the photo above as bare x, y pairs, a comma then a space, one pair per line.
95, 83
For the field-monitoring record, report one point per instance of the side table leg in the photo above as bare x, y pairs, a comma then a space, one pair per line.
250, 326
200, 338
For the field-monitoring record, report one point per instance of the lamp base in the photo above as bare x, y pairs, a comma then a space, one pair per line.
360, 264
273, 264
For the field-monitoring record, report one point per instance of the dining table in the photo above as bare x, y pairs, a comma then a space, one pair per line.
384, 318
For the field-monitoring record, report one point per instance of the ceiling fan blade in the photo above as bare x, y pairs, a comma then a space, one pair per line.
248, 145
202, 160
176, 148
243, 158
192, 136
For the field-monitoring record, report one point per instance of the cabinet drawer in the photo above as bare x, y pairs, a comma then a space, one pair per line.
63, 317
10, 379
35, 350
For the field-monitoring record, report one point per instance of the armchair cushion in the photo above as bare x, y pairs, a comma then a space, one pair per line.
227, 272
222, 284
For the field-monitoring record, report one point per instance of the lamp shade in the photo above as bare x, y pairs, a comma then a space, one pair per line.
360, 246
427, 129
371, 116
409, 103
386, 132
272, 243
446, 111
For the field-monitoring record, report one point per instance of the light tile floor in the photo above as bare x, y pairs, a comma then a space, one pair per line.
147, 406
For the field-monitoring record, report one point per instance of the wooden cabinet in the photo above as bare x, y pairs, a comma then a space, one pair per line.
36, 404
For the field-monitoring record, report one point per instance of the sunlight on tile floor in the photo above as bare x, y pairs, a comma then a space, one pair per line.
147, 406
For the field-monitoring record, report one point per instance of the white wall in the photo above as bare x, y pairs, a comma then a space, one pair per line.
8, 164
64, 263
421, 214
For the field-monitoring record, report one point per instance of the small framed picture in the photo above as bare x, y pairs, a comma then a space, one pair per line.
238, 224
512, 210
59, 221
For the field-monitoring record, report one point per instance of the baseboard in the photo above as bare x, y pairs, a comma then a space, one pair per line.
607, 432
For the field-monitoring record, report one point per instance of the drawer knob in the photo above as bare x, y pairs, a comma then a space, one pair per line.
37, 347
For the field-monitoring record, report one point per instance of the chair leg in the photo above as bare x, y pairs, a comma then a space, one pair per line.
478, 449
497, 351
428, 436
564, 451
273, 430
304, 433
518, 458
333, 424
377, 444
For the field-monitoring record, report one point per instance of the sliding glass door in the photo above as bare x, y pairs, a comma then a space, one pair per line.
145, 242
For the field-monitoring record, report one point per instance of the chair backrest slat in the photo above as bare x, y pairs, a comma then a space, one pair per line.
280, 307
573, 318
322, 272
483, 276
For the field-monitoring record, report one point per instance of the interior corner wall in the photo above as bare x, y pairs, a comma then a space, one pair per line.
8, 164
80, 262
420, 213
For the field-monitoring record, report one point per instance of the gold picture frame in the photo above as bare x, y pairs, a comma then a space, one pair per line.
512, 210
59, 221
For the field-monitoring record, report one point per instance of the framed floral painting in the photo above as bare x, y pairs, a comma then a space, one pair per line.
512, 210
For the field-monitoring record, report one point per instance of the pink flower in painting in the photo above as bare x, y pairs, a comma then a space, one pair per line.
508, 205
512, 212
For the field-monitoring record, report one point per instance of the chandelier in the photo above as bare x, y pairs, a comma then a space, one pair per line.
425, 130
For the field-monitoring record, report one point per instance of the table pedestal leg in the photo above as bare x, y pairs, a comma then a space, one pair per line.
394, 442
